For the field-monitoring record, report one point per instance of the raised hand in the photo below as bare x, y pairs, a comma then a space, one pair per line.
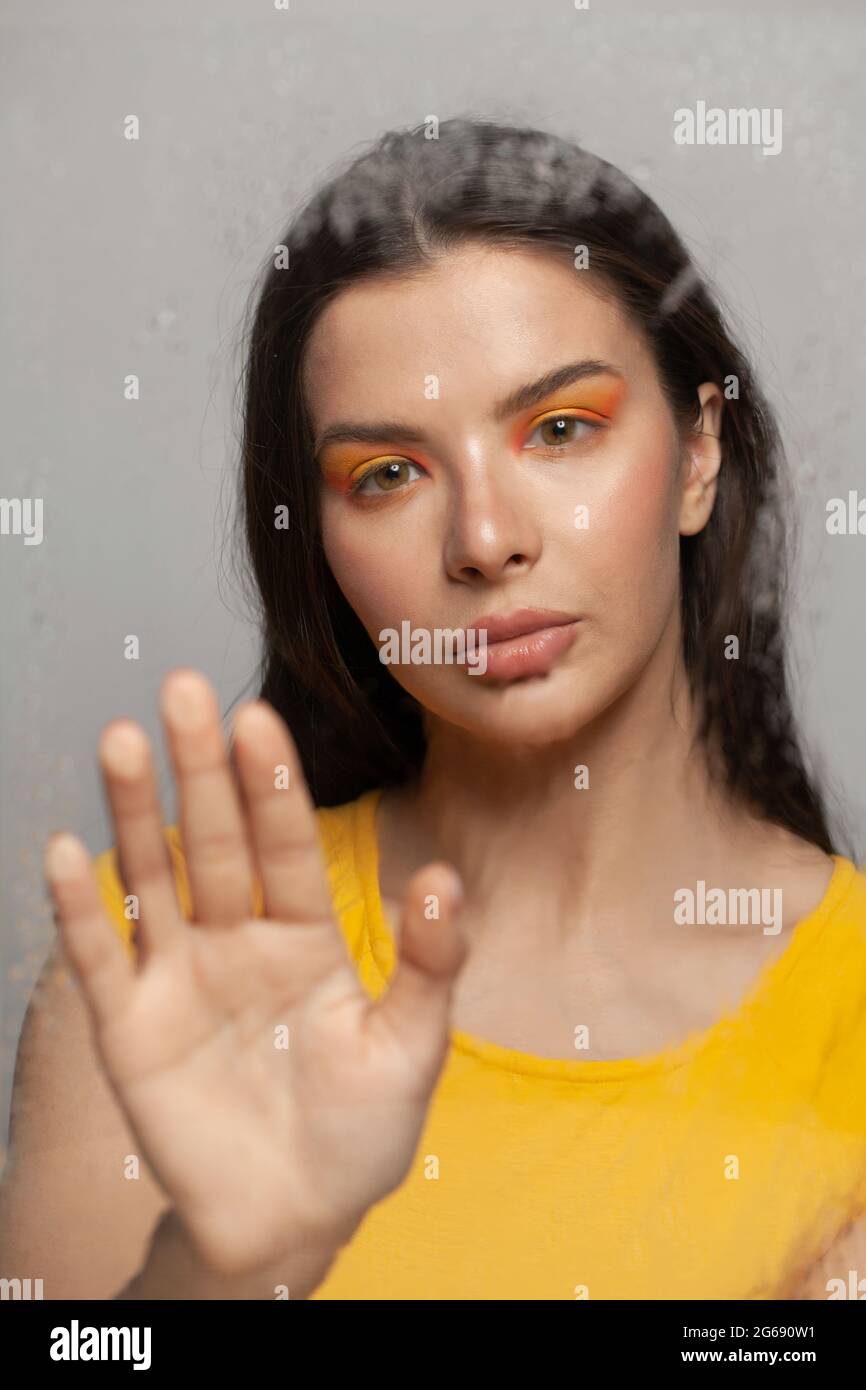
257, 1145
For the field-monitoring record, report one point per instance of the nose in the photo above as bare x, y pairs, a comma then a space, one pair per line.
492, 528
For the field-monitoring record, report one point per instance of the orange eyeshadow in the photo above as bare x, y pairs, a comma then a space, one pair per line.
342, 474
603, 400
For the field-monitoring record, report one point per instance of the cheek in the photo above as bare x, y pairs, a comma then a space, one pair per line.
375, 574
630, 548
641, 512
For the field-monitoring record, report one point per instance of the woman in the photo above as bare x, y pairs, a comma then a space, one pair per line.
470, 1029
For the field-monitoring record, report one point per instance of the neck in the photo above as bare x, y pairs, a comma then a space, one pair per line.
525, 839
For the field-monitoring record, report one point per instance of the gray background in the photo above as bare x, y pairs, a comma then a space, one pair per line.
124, 257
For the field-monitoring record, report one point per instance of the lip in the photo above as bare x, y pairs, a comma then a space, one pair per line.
525, 643
502, 626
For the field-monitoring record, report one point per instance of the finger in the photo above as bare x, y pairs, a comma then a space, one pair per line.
145, 864
215, 842
416, 1007
94, 949
282, 819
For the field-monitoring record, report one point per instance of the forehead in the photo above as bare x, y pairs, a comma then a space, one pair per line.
480, 319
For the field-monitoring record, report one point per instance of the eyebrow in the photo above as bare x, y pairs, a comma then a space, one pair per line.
522, 398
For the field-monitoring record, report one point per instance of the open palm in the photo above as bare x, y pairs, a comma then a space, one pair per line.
271, 1097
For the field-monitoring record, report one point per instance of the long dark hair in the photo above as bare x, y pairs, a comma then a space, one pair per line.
406, 199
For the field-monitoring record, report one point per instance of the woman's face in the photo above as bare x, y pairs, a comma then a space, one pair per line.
458, 489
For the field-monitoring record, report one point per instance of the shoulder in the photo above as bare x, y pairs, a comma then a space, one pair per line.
825, 977
856, 890
841, 918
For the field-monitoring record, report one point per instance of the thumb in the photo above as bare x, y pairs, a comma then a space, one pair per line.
416, 1007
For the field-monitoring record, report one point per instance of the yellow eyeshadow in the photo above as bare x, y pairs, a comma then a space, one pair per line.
343, 476
598, 401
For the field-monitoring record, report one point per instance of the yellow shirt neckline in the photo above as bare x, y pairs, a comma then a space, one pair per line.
804, 937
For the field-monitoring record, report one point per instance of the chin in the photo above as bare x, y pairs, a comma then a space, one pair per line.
535, 712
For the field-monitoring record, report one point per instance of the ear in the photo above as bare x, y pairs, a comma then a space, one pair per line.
701, 463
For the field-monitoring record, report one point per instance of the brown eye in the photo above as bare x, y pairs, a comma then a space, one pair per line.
389, 477
558, 431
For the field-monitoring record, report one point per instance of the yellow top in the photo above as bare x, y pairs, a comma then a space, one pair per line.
719, 1168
